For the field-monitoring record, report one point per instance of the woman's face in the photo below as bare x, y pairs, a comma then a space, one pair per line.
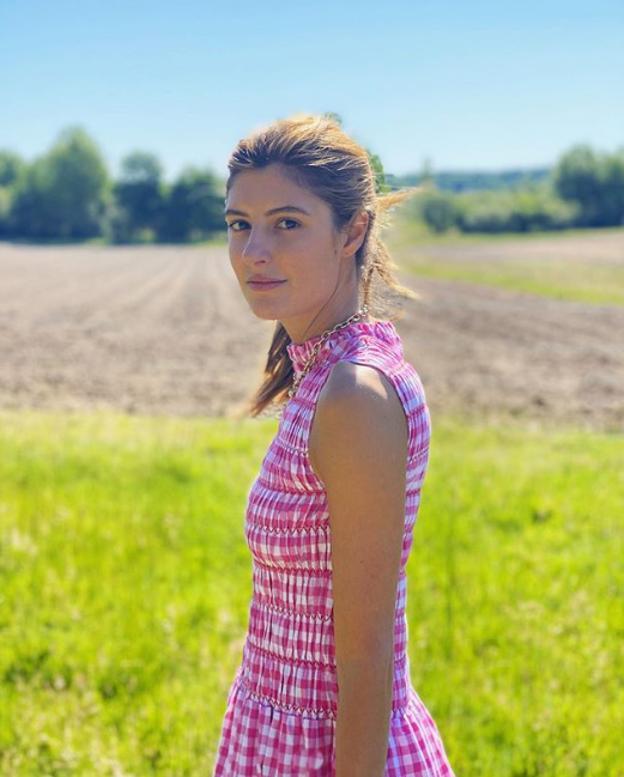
280, 231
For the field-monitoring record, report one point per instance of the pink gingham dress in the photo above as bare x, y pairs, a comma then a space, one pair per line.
281, 707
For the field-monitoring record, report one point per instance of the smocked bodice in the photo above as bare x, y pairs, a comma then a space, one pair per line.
289, 656
282, 705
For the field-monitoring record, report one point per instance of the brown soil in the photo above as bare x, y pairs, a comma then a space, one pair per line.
166, 330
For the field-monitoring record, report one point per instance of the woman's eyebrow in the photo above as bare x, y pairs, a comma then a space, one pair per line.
288, 208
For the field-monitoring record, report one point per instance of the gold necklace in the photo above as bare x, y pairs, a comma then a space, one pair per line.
324, 337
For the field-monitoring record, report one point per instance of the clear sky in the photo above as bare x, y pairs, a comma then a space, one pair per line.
467, 84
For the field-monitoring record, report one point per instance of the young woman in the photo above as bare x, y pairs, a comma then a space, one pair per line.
324, 685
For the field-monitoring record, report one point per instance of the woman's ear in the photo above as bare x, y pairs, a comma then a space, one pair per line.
355, 233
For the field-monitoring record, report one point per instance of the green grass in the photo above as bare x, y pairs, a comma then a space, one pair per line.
575, 281
581, 278
125, 583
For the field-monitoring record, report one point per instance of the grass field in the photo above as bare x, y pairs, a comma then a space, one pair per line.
576, 265
125, 582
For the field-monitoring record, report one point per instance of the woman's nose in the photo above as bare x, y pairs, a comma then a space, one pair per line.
256, 247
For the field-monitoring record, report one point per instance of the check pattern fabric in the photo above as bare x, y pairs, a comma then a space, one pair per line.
281, 707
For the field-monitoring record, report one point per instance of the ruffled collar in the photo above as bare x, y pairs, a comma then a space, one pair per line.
300, 352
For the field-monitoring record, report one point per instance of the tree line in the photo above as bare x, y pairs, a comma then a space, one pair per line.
584, 189
471, 180
67, 193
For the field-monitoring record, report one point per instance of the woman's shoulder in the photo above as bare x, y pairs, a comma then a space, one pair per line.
358, 418
357, 394
354, 381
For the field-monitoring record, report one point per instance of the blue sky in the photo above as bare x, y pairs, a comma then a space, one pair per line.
466, 85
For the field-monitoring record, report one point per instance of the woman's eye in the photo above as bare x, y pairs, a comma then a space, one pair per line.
232, 225
292, 221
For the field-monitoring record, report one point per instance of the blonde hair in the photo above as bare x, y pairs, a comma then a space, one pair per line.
318, 155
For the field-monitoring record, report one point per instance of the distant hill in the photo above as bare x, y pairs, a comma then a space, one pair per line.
463, 181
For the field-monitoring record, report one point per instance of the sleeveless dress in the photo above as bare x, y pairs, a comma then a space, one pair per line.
281, 706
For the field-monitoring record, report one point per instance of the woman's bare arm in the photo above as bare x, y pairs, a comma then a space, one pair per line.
358, 447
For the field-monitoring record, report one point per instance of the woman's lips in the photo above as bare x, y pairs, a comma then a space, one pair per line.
264, 285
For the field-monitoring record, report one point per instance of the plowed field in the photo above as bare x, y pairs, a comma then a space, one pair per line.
166, 330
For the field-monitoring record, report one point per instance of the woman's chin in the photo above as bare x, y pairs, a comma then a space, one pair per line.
264, 312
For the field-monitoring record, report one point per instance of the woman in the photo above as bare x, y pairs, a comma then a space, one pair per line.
324, 685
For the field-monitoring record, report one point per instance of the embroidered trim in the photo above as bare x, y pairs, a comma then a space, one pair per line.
287, 529
307, 570
279, 658
294, 613
270, 484
317, 712
322, 572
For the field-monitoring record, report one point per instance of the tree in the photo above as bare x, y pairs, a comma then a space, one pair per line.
439, 211
334, 117
139, 196
595, 182
64, 192
194, 207
11, 167
380, 176
612, 180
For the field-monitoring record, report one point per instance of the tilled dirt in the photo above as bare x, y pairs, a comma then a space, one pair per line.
166, 330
